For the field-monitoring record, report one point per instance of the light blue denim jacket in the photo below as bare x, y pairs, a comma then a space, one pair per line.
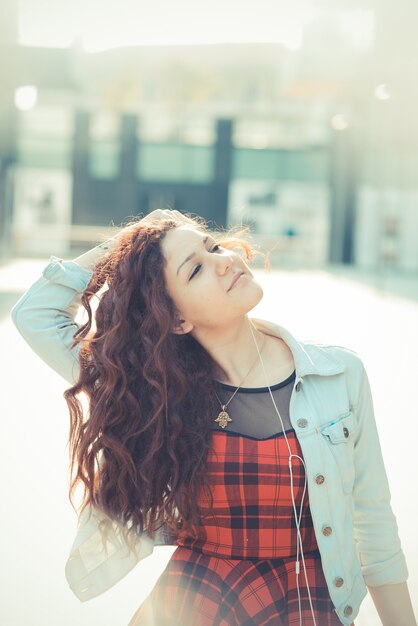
331, 410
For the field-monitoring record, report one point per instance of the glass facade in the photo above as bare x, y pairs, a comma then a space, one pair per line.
311, 165
104, 145
45, 140
175, 162
45, 137
104, 157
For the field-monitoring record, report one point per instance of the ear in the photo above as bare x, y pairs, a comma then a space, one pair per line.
183, 327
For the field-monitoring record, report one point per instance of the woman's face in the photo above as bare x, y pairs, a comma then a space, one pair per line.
199, 276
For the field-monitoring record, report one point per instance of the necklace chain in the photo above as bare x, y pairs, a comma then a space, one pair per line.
223, 418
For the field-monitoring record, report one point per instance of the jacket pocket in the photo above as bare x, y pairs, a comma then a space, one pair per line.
339, 437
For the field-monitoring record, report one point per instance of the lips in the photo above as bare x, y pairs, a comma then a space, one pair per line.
234, 280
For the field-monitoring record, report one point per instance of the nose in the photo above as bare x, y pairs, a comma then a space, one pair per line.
223, 262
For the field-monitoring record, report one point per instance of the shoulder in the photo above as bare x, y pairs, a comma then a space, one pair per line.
343, 354
350, 362
314, 357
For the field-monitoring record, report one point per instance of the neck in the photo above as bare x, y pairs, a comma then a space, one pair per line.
233, 349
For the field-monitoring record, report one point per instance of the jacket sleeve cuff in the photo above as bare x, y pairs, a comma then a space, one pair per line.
389, 572
67, 273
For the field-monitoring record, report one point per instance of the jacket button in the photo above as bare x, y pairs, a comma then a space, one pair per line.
326, 531
346, 432
298, 386
302, 423
338, 582
319, 479
348, 610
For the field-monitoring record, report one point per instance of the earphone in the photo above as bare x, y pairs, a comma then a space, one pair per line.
297, 520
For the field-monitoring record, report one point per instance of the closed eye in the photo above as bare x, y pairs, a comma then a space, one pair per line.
196, 270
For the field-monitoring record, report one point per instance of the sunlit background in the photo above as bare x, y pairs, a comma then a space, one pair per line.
298, 118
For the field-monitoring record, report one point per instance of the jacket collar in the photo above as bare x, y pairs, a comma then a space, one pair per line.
310, 358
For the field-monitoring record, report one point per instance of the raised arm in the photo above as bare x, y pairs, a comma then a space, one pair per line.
45, 314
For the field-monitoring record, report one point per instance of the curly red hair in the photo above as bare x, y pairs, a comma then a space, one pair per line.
140, 451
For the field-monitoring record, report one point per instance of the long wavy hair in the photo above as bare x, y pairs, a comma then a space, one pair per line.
139, 448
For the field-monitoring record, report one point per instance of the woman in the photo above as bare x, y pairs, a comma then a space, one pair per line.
209, 430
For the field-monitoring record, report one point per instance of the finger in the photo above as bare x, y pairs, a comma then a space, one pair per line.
154, 215
183, 217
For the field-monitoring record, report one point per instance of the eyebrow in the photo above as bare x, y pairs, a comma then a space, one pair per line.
187, 259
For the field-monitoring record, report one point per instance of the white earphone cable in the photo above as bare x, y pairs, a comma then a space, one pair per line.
297, 520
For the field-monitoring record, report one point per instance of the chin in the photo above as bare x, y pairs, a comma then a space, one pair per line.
256, 296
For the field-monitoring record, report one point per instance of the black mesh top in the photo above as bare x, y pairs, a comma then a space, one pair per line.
252, 410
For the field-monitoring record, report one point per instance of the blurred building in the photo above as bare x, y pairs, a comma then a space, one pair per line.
316, 147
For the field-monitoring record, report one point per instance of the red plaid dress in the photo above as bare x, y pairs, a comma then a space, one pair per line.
240, 569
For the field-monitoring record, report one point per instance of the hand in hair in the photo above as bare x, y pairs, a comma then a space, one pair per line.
156, 215
163, 214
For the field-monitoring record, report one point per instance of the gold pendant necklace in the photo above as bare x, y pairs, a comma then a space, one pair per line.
223, 418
